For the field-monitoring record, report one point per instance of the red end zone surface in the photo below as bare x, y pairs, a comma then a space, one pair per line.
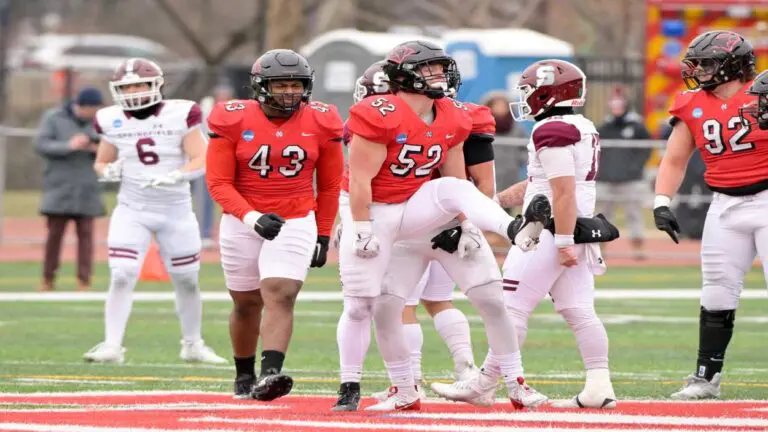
163, 411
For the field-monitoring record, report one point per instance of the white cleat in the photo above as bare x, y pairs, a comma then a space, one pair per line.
696, 388
479, 390
198, 352
103, 353
398, 401
524, 396
384, 395
601, 400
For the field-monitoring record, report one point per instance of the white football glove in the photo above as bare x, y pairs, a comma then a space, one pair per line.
366, 243
471, 240
113, 172
336, 237
170, 179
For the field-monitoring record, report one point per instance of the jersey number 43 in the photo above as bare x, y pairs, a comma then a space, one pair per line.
262, 163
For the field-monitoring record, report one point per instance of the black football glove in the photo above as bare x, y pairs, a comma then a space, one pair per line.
448, 240
321, 251
268, 225
595, 229
667, 222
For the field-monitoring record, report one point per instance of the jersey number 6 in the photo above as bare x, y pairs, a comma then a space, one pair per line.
260, 161
147, 157
407, 164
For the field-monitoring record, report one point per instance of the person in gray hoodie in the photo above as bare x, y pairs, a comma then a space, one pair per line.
67, 142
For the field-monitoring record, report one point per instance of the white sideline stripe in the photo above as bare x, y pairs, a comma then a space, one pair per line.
186, 406
593, 418
352, 425
97, 393
70, 428
315, 296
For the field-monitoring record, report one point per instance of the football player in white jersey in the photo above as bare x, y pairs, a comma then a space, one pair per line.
153, 148
563, 158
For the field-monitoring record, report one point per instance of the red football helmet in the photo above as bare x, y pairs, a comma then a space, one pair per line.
373, 81
137, 71
547, 84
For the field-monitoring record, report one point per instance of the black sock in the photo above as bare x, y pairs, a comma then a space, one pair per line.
271, 362
355, 386
245, 365
715, 331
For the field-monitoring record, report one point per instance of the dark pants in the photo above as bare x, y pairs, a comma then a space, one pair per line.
57, 225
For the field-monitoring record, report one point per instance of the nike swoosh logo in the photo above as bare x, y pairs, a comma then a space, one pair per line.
450, 136
307, 134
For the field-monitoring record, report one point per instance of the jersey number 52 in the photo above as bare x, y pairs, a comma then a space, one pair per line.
261, 163
407, 164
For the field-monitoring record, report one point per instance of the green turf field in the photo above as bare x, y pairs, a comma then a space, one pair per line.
653, 342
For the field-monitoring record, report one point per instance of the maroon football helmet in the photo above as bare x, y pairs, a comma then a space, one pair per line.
373, 81
137, 71
547, 84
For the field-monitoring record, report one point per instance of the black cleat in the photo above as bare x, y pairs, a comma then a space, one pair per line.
271, 387
243, 385
524, 231
349, 397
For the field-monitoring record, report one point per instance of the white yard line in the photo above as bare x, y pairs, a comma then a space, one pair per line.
318, 296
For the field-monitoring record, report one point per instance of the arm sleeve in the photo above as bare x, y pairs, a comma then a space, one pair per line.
558, 161
330, 167
221, 164
555, 134
49, 143
478, 149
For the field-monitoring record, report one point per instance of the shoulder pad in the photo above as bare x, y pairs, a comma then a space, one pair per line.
326, 117
225, 117
681, 101
107, 118
557, 133
375, 117
483, 121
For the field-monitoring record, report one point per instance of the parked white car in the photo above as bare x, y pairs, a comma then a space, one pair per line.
89, 52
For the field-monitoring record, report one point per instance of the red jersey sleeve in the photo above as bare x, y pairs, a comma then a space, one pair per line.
555, 134
221, 164
375, 119
680, 109
329, 169
463, 123
483, 122
225, 119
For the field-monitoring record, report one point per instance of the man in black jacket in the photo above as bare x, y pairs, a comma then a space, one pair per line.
620, 179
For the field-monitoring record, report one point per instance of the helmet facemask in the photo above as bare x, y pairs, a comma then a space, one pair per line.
756, 112
703, 73
282, 94
137, 100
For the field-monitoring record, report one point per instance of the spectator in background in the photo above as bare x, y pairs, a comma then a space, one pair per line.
510, 161
67, 142
220, 93
620, 178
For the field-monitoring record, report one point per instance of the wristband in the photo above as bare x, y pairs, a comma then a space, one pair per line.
661, 201
564, 240
251, 218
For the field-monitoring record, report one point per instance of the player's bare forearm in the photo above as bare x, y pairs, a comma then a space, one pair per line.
330, 168
454, 165
564, 204
514, 195
680, 147
365, 160
105, 155
483, 174
194, 147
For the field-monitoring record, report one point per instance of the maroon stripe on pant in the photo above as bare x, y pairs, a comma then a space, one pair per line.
122, 255
123, 250
510, 285
185, 260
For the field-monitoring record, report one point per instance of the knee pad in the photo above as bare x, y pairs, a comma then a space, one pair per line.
488, 298
388, 309
578, 318
358, 308
722, 319
123, 278
519, 317
185, 281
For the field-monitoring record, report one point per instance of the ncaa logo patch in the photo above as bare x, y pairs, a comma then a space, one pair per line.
697, 112
401, 138
117, 123
247, 135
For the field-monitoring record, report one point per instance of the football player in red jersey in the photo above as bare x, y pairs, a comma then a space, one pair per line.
719, 68
261, 159
435, 288
394, 209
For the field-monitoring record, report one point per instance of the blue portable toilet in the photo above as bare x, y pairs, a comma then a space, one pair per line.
493, 59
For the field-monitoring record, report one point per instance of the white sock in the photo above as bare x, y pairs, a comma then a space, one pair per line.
117, 308
189, 306
520, 320
401, 376
415, 337
353, 336
452, 325
511, 366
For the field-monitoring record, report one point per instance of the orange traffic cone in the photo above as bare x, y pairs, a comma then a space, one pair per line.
154, 268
